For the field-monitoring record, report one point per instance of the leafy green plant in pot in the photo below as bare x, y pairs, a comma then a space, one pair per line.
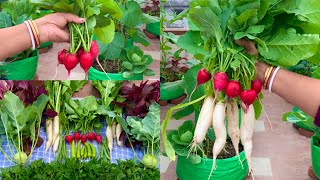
306, 122
22, 66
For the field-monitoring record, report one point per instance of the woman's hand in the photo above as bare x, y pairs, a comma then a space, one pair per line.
252, 50
53, 27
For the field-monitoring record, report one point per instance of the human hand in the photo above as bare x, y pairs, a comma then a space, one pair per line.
53, 27
252, 50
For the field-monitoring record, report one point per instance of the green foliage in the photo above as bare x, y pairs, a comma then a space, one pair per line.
18, 122
134, 61
94, 169
301, 119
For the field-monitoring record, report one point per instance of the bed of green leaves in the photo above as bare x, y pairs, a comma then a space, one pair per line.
74, 169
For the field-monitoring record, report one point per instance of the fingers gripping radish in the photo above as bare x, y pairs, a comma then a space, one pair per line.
246, 132
110, 139
220, 131
233, 125
49, 134
204, 121
118, 132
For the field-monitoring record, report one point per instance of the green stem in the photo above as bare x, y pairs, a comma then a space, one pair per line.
167, 145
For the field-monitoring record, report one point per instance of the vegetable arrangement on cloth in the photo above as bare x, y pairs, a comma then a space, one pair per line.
226, 82
99, 15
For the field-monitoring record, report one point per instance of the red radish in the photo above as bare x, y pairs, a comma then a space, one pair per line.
248, 97
83, 138
91, 136
79, 52
70, 62
68, 139
86, 61
62, 56
233, 89
220, 81
256, 85
98, 138
203, 76
94, 49
76, 136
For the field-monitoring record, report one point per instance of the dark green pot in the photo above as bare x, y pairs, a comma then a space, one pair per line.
315, 155
171, 90
153, 28
24, 69
99, 75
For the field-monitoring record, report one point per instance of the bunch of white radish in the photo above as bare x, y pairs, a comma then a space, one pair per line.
113, 133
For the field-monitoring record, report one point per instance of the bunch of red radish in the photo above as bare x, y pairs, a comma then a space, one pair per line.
83, 138
71, 60
232, 88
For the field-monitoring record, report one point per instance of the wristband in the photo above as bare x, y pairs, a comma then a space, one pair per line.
267, 76
35, 33
31, 35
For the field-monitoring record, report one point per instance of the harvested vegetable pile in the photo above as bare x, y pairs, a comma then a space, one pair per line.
284, 33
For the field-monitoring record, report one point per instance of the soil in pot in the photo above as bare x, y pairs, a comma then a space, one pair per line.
227, 152
110, 66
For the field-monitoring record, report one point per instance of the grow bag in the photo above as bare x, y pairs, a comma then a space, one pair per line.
303, 125
94, 74
229, 168
153, 28
46, 44
315, 155
171, 90
24, 69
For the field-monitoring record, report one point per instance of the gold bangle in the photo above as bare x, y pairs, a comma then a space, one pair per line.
35, 33
266, 73
267, 77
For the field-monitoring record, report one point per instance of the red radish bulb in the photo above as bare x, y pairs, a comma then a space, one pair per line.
203, 76
99, 138
62, 56
70, 62
79, 52
256, 85
220, 81
233, 89
83, 138
248, 97
68, 139
94, 49
76, 136
91, 136
86, 61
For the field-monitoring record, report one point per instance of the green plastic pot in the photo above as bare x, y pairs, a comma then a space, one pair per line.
99, 75
230, 169
153, 28
315, 155
24, 69
308, 127
171, 90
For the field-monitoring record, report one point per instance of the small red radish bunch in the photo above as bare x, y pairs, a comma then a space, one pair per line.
99, 138
233, 89
77, 136
220, 81
83, 138
71, 60
202, 77
249, 96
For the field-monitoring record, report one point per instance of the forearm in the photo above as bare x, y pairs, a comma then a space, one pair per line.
299, 90
14, 40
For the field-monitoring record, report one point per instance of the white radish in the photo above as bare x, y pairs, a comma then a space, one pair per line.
109, 138
118, 132
56, 144
49, 134
246, 132
114, 135
219, 127
204, 120
233, 124
56, 126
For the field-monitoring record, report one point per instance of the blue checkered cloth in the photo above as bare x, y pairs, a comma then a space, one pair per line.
122, 153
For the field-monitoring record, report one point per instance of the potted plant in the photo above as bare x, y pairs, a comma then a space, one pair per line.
315, 153
305, 127
152, 7
22, 66
118, 52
